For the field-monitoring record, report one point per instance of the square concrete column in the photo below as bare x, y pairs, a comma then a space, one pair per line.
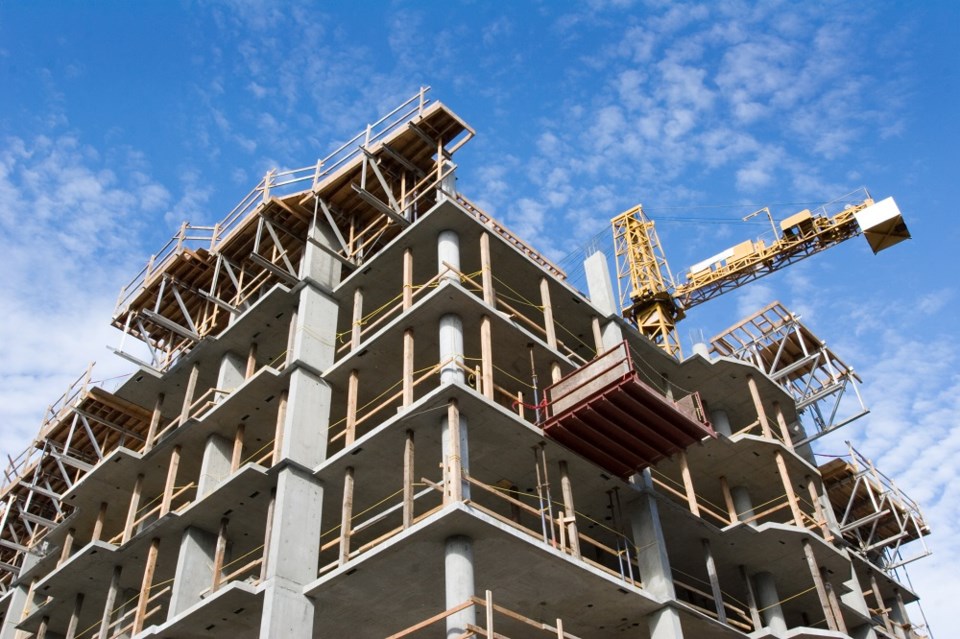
293, 556
194, 573
601, 295
233, 370
18, 600
216, 465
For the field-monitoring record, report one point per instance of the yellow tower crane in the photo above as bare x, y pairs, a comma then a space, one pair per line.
651, 298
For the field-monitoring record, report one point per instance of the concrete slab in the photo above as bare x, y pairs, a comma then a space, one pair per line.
233, 612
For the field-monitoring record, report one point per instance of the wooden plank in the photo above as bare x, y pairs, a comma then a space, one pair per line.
346, 515
171, 480
148, 573
408, 475
132, 510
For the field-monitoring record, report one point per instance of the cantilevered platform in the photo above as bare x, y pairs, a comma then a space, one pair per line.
606, 413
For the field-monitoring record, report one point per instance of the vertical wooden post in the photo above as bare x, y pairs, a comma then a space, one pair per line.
571, 520
147, 583
291, 336
407, 278
154, 423
132, 510
353, 388
597, 334
104, 632
356, 326
688, 483
408, 367
486, 355
455, 474
408, 474
728, 500
788, 488
42, 629
268, 533
189, 393
251, 361
782, 423
488, 609
714, 581
818, 509
278, 430
171, 482
834, 604
758, 405
751, 599
237, 455
67, 546
486, 272
548, 323
882, 606
98, 524
74, 617
818, 584
219, 554
346, 516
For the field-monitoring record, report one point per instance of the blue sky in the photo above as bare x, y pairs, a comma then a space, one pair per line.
119, 120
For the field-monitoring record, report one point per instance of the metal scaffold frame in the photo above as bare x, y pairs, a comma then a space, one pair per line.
777, 343
360, 196
873, 514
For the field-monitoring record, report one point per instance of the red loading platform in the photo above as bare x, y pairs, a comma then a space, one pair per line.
604, 412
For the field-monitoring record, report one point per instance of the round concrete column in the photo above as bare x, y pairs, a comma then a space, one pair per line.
742, 502
721, 423
451, 349
448, 251
458, 582
769, 601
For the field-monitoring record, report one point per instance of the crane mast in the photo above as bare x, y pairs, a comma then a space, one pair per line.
655, 303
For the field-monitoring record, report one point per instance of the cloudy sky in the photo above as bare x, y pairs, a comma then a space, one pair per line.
120, 120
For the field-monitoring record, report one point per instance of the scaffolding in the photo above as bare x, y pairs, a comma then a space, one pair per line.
776, 342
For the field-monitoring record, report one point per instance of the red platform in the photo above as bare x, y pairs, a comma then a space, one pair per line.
604, 412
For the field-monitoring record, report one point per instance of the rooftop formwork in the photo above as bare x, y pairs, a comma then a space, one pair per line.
368, 409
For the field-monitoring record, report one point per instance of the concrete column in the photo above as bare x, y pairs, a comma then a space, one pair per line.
448, 251
459, 583
18, 601
194, 572
313, 331
665, 624
742, 502
215, 467
448, 185
233, 370
644, 518
293, 555
74, 617
601, 295
721, 423
898, 614
769, 600
451, 349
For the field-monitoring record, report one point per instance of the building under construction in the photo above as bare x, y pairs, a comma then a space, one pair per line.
361, 407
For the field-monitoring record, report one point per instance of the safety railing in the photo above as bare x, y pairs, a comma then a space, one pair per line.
179, 499
275, 182
736, 612
377, 523
547, 522
488, 628
128, 619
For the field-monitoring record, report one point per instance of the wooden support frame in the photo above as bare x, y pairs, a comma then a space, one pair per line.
108, 605
98, 524
147, 583
758, 405
279, 428
818, 584
407, 366
356, 322
782, 423
155, 417
751, 599
688, 483
788, 488
728, 500
74, 617
453, 463
572, 532
346, 516
219, 554
353, 390
171, 482
407, 278
486, 356
408, 479
132, 510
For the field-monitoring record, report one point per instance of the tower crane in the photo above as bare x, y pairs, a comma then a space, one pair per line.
655, 302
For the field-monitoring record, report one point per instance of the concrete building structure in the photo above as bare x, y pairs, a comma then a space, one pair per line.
363, 408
